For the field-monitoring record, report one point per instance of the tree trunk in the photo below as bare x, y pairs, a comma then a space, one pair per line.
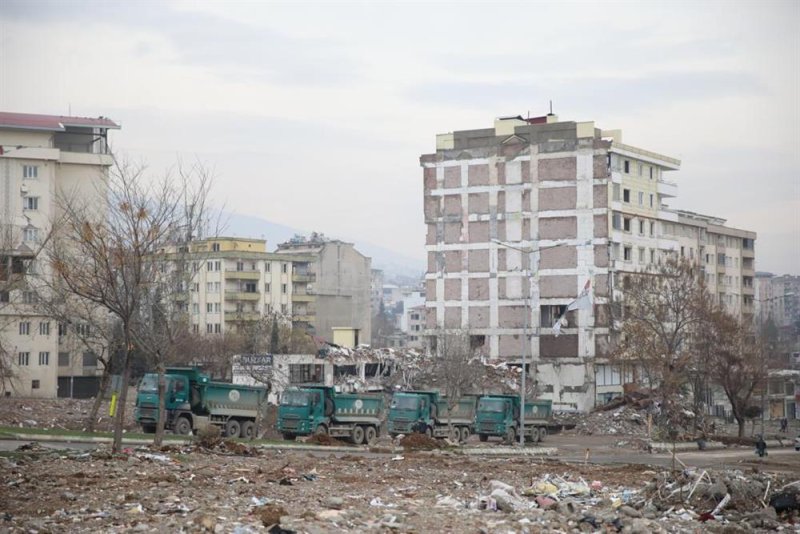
740, 422
91, 421
119, 419
162, 405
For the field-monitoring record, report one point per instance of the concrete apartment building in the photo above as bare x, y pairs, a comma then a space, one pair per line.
235, 282
42, 156
570, 204
340, 279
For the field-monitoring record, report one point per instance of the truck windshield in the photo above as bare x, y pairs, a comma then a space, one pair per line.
294, 398
149, 383
497, 406
405, 403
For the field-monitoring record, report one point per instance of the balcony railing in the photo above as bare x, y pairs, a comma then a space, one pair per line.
242, 275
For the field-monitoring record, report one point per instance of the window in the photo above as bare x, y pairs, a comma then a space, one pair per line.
284, 309
641, 198
35, 384
194, 267
642, 256
44, 328
266, 287
284, 267
626, 224
89, 359
641, 170
28, 297
196, 328
209, 328
651, 200
209, 308
215, 247
267, 267
196, 287
627, 253
24, 328
283, 288
549, 314
209, 287
651, 173
616, 221
627, 166
641, 227
30, 203
4, 296
30, 234
62, 329
217, 328
30, 171
44, 358
250, 287
652, 229
240, 266
626, 195
302, 373
63, 359
217, 307
652, 255
195, 308
682, 253
24, 358
82, 329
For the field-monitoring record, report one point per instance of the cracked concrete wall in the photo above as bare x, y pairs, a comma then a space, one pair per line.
479, 316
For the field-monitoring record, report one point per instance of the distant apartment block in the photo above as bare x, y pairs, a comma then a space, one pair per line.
341, 287
41, 157
524, 214
415, 319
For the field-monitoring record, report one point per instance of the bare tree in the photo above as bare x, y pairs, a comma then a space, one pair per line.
108, 253
736, 361
662, 307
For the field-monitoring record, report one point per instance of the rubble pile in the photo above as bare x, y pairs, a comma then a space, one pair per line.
191, 490
417, 441
61, 413
623, 421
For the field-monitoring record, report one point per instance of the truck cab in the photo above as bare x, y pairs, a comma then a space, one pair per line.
412, 411
178, 393
305, 410
496, 416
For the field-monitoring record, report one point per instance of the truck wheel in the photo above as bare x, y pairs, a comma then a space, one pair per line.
248, 430
183, 426
464, 433
534, 435
233, 428
149, 429
455, 434
329, 408
288, 436
370, 434
511, 435
483, 437
358, 435
321, 430
542, 433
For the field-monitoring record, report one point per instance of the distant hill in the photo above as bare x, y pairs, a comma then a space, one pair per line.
392, 263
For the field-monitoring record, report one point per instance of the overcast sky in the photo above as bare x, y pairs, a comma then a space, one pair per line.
314, 115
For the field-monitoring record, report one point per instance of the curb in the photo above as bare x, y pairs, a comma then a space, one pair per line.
84, 439
691, 446
510, 451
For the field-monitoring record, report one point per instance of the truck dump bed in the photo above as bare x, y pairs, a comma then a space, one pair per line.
462, 413
538, 411
358, 408
221, 398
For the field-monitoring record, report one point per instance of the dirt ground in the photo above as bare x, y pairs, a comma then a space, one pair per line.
197, 490
65, 414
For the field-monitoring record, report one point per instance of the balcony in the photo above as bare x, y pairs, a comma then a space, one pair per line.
242, 295
748, 290
302, 318
233, 274
667, 189
302, 297
304, 277
748, 253
235, 316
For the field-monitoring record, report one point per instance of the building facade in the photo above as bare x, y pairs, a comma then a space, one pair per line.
41, 158
523, 217
342, 283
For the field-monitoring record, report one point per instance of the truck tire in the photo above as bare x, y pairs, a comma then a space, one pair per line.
321, 430
534, 435
183, 426
248, 430
149, 429
233, 428
329, 407
358, 434
542, 433
370, 435
464, 433
288, 436
455, 434
483, 437
511, 435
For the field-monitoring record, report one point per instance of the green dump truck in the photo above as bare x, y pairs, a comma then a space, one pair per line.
426, 411
499, 415
194, 402
316, 409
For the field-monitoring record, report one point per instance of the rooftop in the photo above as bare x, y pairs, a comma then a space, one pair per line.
53, 123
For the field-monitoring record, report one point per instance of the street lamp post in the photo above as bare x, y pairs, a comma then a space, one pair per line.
525, 340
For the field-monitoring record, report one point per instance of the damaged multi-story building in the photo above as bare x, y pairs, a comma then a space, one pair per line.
523, 217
